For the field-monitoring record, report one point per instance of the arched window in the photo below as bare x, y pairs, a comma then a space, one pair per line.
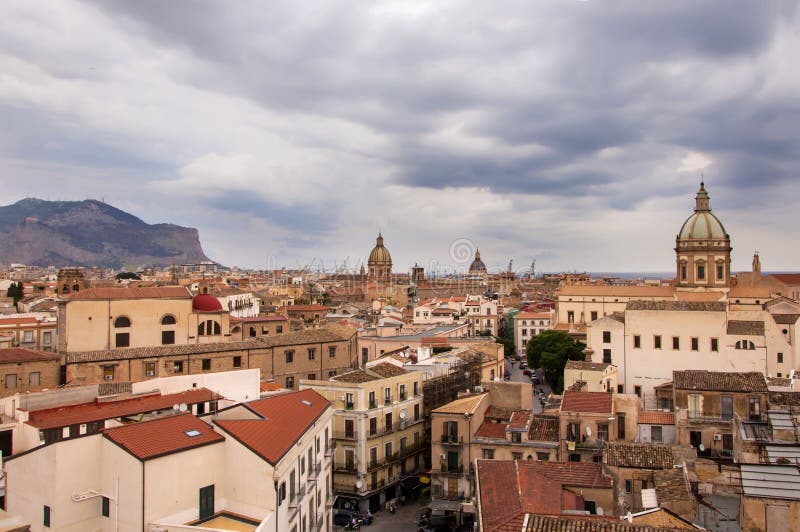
122, 321
122, 339
208, 328
169, 319
168, 335
252, 331
745, 344
236, 329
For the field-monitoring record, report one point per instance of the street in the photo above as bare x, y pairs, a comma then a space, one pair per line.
517, 375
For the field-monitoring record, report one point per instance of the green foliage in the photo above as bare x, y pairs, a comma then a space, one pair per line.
550, 351
127, 275
509, 350
16, 291
301, 301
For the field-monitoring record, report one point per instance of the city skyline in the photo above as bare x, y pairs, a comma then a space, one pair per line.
299, 132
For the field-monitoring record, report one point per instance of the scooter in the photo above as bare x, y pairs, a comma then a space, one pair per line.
354, 525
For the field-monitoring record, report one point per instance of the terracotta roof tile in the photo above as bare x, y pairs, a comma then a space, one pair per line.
639, 455
750, 292
519, 420
650, 417
259, 319
498, 412
746, 328
543, 428
356, 376
18, 321
461, 405
387, 370
719, 381
492, 430
784, 398
586, 366
672, 485
285, 417
574, 474
139, 292
787, 278
590, 402
621, 291
159, 437
22, 355
589, 523
678, 306
499, 492
63, 416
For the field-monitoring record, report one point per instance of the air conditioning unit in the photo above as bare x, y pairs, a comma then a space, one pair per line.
149, 373
479, 389
717, 437
109, 377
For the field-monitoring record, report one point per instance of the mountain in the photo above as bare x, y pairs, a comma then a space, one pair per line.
90, 233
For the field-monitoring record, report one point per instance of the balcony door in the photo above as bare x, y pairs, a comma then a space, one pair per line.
206, 502
727, 407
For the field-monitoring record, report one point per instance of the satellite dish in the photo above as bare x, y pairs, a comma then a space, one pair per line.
176, 407
588, 431
183, 407
701, 447
359, 484
403, 414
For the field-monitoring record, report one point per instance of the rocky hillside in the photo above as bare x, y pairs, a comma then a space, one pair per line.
90, 233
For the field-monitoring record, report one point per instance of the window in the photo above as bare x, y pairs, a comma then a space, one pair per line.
108, 373
291, 485
290, 382
312, 353
416, 412
606, 337
695, 344
332, 351
607, 356
279, 328
657, 341
701, 272
720, 272
237, 362
676, 342
349, 401
209, 328
46, 519
372, 402
373, 426
289, 356
416, 388
488, 454
516, 456
714, 345
387, 449
754, 408
655, 433
620, 388
11, 380
167, 337
177, 367
253, 332
594, 315
27, 336
628, 486
602, 431
312, 376
574, 457
387, 396
332, 373
780, 358
683, 272
694, 404
745, 344
47, 338
122, 322
573, 431
169, 319
637, 390
402, 392
516, 437
105, 507
543, 457
570, 316
149, 369
620, 426
388, 421
206, 364
637, 341
122, 339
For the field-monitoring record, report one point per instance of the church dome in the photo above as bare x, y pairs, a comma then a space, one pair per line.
477, 265
702, 224
379, 254
206, 303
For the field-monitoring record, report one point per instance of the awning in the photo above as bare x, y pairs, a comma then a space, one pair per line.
444, 504
412, 483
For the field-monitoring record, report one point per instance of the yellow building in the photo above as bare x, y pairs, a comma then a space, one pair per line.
378, 430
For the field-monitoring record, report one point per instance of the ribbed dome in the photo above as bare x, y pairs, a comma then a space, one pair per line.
702, 225
379, 254
477, 264
206, 303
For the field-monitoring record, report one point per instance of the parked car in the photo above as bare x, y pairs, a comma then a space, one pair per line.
526, 372
533, 377
523, 365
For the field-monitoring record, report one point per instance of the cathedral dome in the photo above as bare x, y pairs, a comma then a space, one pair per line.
206, 303
477, 265
702, 224
379, 254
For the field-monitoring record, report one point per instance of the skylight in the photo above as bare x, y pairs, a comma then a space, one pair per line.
305, 402
193, 433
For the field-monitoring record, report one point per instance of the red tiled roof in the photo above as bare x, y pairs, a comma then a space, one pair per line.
519, 419
18, 321
63, 416
138, 292
576, 474
304, 308
492, 430
269, 386
499, 492
591, 402
20, 354
787, 278
259, 319
656, 418
285, 416
151, 439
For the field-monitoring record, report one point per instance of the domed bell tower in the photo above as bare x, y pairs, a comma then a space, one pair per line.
703, 248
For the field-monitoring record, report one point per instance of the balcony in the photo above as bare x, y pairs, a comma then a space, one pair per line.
387, 400
348, 468
345, 435
700, 418
331, 448
447, 469
452, 439
298, 498
349, 406
403, 396
409, 450
373, 405
314, 471
344, 487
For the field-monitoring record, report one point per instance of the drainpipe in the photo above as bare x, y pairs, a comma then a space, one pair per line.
143, 468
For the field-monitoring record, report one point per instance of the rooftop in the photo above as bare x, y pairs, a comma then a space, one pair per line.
489, 429
586, 366
21, 355
139, 292
284, 419
651, 417
463, 405
719, 381
64, 416
159, 437
620, 291
771, 481
589, 402
784, 398
543, 428
678, 306
746, 328
639, 455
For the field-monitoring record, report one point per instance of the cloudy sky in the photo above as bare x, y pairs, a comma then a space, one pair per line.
289, 133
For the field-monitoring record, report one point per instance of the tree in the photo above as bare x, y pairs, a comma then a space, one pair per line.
128, 275
16, 291
550, 351
509, 350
